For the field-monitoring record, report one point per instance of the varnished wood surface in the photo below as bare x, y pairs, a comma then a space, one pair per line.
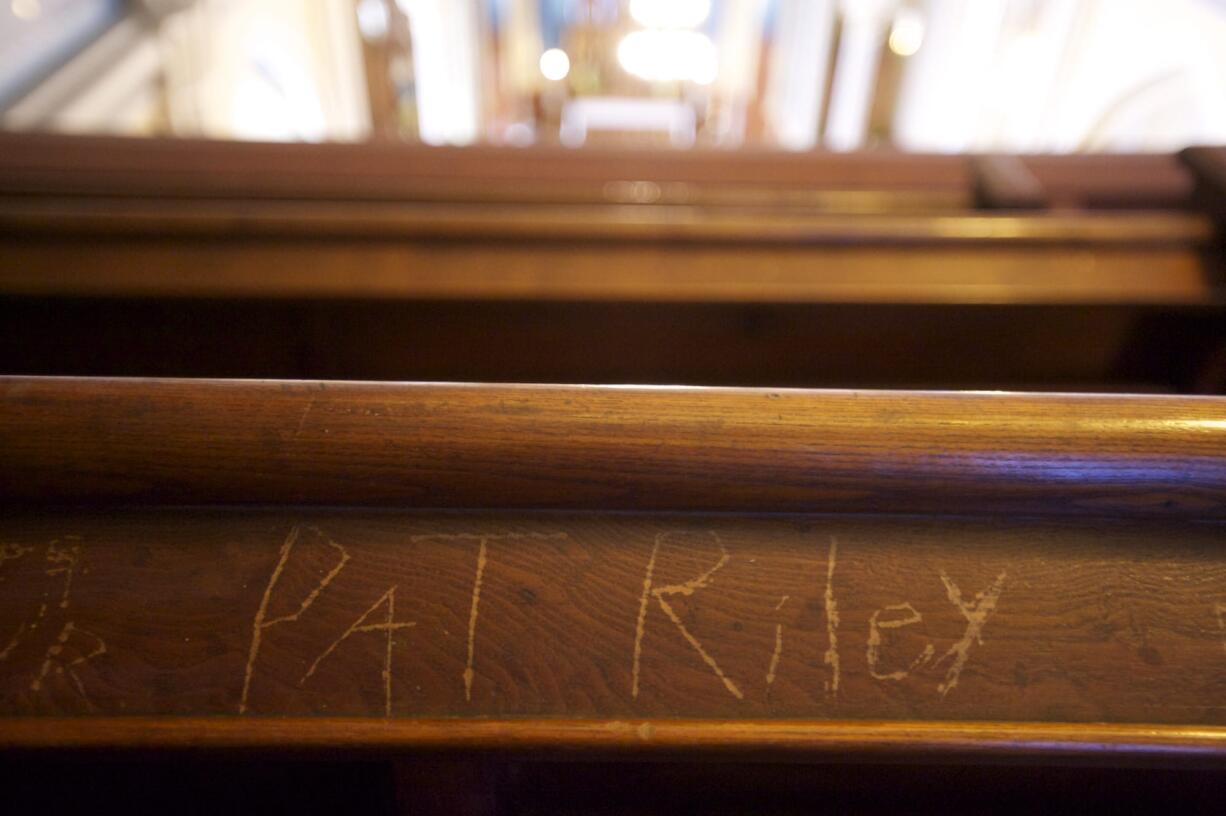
465, 191
660, 271
43, 163
211, 220
57, 164
235, 219
850, 739
609, 447
1112, 180
610, 617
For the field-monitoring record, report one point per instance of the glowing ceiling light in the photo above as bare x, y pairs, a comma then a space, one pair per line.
669, 56
907, 33
26, 9
372, 19
555, 64
670, 13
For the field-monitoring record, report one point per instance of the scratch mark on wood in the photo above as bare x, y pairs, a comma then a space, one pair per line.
774, 664
689, 588
56, 649
976, 614
11, 552
469, 674
472, 622
389, 626
65, 559
1219, 609
706, 658
642, 619
831, 658
12, 644
875, 625
302, 419
259, 625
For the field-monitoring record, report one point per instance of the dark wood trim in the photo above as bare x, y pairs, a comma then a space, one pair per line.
237, 219
820, 738
1006, 183
1208, 166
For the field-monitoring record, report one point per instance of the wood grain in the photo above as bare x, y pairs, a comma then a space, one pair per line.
296, 612
973, 272
99, 217
609, 447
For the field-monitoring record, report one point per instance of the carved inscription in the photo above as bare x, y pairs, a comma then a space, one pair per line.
472, 622
387, 626
57, 656
875, 625
976, 613
661, 594
262, 623
475, 604
773, 668
71, 646
346, 613
831, 657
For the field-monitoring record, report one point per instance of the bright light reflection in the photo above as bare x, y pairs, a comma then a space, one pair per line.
669, 56
372, 19
669, 13
555, 64
26, 9
907, 33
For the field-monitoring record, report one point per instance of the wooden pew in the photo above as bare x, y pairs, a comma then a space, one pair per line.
59, 165
474, 578
200, 259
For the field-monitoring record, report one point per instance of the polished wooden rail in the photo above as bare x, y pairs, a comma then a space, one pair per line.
221, 564
439, 445
203, 218
1156, 260
856, 739
46, 164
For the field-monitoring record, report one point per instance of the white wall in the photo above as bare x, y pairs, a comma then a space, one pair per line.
1065, 75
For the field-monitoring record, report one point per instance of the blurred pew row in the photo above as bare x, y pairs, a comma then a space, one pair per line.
182, 258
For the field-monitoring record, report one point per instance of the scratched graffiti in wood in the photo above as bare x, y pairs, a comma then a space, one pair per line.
46, 636
388, 614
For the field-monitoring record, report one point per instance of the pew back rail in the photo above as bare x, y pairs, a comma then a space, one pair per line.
232, 564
